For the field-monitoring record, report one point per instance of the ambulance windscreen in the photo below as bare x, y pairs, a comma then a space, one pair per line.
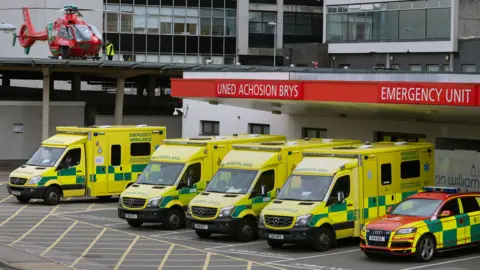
416, 207
233, 181
305, 188
160, 173
45, 156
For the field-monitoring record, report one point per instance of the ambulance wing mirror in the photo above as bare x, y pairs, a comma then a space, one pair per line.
389, 209
278, 191
446, 213
340, 197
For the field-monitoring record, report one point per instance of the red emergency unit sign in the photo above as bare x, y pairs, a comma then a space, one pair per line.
428, 94
259, 89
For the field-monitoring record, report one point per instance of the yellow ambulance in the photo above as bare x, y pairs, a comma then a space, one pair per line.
245, 183
178, 171
334, 191
98, 161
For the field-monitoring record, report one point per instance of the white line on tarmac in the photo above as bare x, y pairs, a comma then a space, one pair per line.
239, 252
168, 233
187, 239
304, 267
441, 263
83, 211
316, 256
236, 245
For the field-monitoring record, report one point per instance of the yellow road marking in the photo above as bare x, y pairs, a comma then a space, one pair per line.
59, 239
14, 215
249, 266
68, 199
6, 199
34, 227
179, 245
89, 247
90, 207
119, 263
83, 211
207, 261
165, 258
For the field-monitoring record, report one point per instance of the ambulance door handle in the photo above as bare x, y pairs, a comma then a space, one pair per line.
120, 168
350, 204
393, 197
79, 171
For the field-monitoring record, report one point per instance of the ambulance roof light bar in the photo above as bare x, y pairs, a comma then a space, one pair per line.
442, 189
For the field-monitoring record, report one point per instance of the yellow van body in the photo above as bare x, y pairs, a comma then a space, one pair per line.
334, 191
162, 192
99, 161
245, 183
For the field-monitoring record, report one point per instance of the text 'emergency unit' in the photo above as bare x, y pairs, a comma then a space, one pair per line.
259, 89
459, 96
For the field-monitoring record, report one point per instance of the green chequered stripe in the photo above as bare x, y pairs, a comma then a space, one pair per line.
450, 236
335, 208
374, 202
256, 200
124, 175
67, 172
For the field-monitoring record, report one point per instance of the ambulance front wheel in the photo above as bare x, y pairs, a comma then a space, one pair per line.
134, 223
203, 234
247, 230
274, 244
323, 239
52, 196
175, 220
23, 199
425, 249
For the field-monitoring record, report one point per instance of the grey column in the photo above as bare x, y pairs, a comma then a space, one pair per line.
243, 16
46, 104
119, 96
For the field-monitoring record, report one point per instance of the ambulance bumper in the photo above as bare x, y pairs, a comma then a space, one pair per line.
396, 248
220, 225
293, 235
154, 215
26, 192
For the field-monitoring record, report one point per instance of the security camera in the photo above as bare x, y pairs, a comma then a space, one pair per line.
175, 112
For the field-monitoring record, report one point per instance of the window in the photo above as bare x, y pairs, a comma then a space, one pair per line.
259, 20
210, 128
342, 185
116, 155
72, 158
153, 23
267, 179
470, 204
416, 68
393, 21
126, 23
446, 68
194, 171
259, 129
314, 133
433, 68
469, 68
302, 23
140, 149
112, 22
396, 66
410, 169
452, 206
386, 174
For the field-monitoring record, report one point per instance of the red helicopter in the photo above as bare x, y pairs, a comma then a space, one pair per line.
68, 37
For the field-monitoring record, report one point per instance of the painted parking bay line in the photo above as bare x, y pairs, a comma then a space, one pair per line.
442, 263
315, 256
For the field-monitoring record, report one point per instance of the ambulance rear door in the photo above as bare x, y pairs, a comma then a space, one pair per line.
370, 188
387, 188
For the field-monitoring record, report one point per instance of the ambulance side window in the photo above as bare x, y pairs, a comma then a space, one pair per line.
386, 174
342, 185
71, 159
452, 206
140, 149
116, 155
470, 204
268, 179
410, 169
194, 171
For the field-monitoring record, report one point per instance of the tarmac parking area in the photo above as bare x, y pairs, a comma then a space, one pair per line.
86, 234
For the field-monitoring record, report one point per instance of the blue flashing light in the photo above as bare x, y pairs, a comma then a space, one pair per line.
442, 189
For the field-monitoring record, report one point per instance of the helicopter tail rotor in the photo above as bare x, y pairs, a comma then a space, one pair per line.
26, 30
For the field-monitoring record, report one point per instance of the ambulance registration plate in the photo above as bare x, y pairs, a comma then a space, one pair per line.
15, 193
376, 238
131, 216
275, 236
201, 226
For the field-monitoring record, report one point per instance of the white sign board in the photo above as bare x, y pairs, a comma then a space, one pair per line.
458, 168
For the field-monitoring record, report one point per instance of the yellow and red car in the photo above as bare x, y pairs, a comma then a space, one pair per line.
438, 219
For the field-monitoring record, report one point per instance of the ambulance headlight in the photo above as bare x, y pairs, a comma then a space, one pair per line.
407, 231
226, 211
120, 200
189, 209
303, 220
153, 202
261, 219
34, 180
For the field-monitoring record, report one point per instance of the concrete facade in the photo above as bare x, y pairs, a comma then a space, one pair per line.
27, 115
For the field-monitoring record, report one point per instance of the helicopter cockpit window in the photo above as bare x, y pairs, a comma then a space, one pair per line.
96, 32
64, 32
82, 32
